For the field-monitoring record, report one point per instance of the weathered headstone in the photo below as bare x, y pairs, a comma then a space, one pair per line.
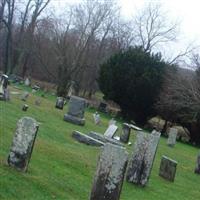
102, 107
76, 111
142, 158
59, 103
126, 130
27, 82
24, 96
25, 107
111, 130
23, 143
3, 87
97, 119
171, 141
197, 169
167, 168
7, 94
110, 172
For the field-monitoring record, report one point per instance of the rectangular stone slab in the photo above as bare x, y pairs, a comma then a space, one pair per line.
80, 137
110, 172
111, 130
142, 158
171, 141
76, 107
103, 139
23, 142
167, 168
74, 120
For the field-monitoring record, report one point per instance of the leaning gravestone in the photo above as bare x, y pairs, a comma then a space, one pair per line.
59, 103
23, 142
171, 141
142, 159
76, 111
24, 96
197, 169
110, 172
126, 130
111, 130
168, 168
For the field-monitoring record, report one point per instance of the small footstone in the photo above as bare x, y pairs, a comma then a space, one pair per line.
168, 168
142, 159
23, 142
171, 141
197, 169
25, 107
59, 103
124, 137
110, 172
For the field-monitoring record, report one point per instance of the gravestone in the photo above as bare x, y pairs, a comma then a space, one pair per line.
171, 141
27, 82
197, 169
3, 87
23, 143
24, 96
110, 172
59, 103
97, 119
102, 107
126, 130
167, 168
76, 109
25, 107
111, 130
142, 158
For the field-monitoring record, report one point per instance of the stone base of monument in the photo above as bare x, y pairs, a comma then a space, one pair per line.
80, 137
74, 120
104, 139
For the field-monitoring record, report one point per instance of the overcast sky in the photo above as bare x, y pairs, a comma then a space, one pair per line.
185, 11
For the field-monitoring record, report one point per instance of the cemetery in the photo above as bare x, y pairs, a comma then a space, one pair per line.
46, 154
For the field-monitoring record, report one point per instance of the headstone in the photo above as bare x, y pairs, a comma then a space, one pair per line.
24, 96
76, 109
71, 90
102, 107
110, 172
36, 87
3, 87
167, 168
142, 158
80, 137
197, 169
25, 107
97, 119
112, 122
59, 103
23, 143
171, 141
126, 130
111, 130
7, 94
37, 102
27, 82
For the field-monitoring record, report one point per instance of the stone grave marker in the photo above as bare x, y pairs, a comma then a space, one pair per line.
27, 82
171, 141
23, 143
141, 161
197, 169
97, 119
76, 110
126, 130
59, 103
110, 172
4, 92
25, 107
111, 130
24, 96
102, 107
167, 168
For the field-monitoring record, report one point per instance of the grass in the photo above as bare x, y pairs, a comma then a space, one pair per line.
63, 169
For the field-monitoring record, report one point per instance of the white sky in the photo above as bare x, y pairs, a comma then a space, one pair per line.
185, 11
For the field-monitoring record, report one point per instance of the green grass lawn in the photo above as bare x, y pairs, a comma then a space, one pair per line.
63, 169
